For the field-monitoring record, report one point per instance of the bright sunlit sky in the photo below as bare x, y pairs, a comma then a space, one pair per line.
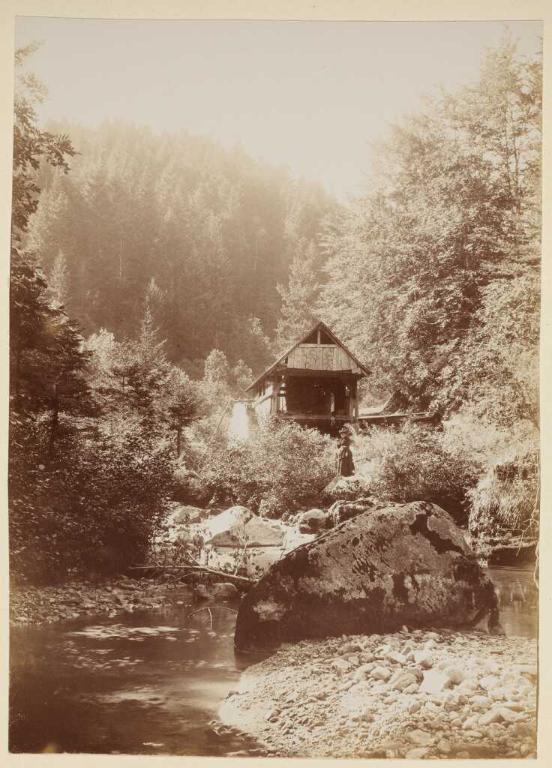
311, 96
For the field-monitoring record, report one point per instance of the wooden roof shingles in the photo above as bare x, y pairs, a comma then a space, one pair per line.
319, 324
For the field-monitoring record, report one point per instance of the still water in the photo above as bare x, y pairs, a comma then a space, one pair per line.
152, 682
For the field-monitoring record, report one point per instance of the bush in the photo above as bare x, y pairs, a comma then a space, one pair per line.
92, 510
188, 487
505, 501
281, 467
414, 463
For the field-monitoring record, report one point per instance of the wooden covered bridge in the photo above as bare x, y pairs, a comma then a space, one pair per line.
315, 383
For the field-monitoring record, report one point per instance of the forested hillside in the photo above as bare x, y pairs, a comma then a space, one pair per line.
207, 233
151, 273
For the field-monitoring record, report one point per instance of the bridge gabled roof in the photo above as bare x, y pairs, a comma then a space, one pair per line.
318, 325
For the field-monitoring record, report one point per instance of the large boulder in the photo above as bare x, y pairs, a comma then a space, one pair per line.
401, 564
345, 489
346, 510
312, 521
261, 533
255, 532
232, 520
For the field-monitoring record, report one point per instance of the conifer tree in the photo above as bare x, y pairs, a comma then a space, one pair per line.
299, 296
31, 145
47, 362
181, 403
58, 280
148, 369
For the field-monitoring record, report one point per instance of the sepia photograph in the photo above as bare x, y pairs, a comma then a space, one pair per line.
274, 416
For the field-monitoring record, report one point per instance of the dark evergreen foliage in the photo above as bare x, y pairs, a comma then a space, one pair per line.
213, 229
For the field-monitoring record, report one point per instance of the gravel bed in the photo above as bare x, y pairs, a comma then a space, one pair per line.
413, 694
37, 605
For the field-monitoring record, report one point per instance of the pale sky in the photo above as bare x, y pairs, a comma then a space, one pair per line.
310, 96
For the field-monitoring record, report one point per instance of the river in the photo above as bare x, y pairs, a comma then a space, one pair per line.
152, 682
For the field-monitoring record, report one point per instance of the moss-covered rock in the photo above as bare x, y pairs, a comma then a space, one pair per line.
396, 565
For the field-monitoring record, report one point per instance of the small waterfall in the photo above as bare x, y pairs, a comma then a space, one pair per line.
238, 427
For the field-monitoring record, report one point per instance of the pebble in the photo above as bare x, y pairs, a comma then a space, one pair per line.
397, 657
362, 672
455, 676
399, 707
468, 724
351, 647
482, 701
488, 682
434, 682
508, 715
492, 716
422, 738
423, 659
380, 673
403, 680
416, 754
340, 666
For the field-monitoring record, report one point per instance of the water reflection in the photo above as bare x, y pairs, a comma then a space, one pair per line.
152, 682
149, 683
517, 599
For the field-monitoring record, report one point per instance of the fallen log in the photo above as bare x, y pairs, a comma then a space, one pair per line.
197, 568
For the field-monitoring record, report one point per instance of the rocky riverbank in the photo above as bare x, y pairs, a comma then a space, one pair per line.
417, 694
37, 605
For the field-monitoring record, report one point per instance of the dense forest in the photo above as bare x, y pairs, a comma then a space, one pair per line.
205, 234
152, 274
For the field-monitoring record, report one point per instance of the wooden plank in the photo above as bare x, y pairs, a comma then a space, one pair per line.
321, 357
313, 417
346, 375
274, 397
354, 400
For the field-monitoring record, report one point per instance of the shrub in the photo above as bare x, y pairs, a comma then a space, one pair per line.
188, 487
93, 509
282, 465
505, 501
414, 463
